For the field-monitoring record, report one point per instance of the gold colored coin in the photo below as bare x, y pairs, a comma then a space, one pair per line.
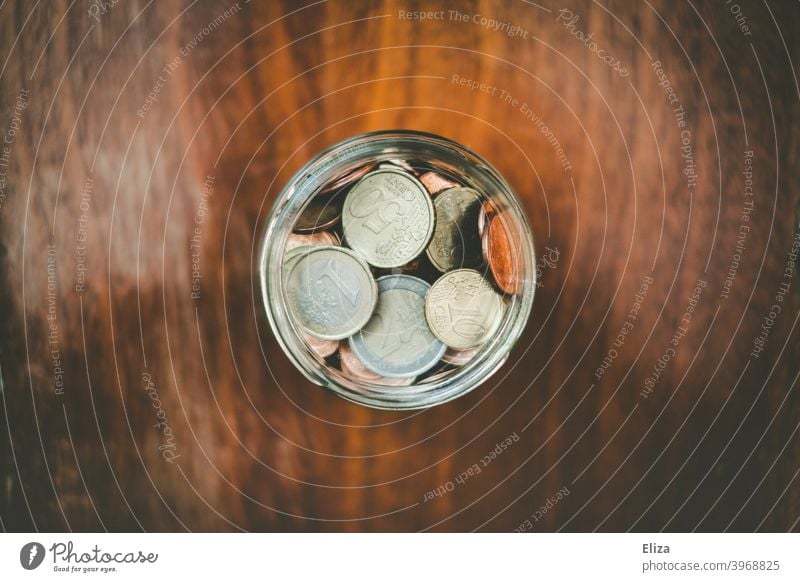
463, 309
456, 240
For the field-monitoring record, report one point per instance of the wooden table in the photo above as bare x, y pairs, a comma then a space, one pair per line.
145, 142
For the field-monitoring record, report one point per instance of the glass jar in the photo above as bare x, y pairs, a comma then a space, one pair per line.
439, 164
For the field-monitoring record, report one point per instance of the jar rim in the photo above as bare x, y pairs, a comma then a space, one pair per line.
306, 183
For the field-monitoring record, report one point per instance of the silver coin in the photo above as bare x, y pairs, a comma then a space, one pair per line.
463, 309
330, 292
291, 257
456, 240
388, 217
396, 342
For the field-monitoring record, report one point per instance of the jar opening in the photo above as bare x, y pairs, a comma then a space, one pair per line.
458, 247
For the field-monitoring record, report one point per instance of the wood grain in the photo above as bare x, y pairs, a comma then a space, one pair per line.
241, 102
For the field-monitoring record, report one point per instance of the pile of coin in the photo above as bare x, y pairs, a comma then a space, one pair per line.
397, 273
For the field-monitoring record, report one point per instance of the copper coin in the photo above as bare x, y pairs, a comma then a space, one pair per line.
323, 348
349, 178
499, 248
459, 357
322, 212
420, 267
317, 239
409, 268
356, 370
435, 183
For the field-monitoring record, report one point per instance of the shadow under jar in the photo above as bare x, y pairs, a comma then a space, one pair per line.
397, 269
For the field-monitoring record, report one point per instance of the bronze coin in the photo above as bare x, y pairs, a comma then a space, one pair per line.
500, 242
435, 183
459, 357
353, 368
349, 178
321, 213
323, 348
317, 239
420, 267
410, 268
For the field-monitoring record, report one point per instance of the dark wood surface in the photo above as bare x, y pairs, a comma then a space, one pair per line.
254, 95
